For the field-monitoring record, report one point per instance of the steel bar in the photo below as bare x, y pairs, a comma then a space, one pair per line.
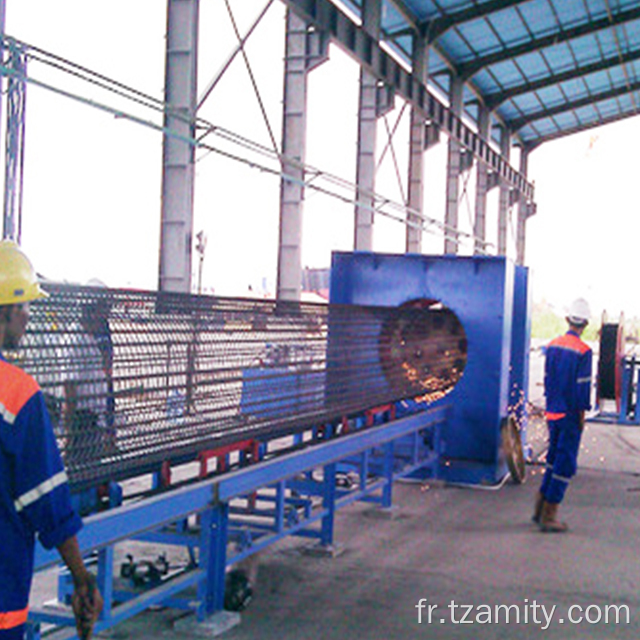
133, 379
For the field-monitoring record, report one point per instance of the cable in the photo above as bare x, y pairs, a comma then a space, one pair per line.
425, 223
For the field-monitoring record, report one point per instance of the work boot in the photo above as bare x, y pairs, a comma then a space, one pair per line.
537, 509
548, 522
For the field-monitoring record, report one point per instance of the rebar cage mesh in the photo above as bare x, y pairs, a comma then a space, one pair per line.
133, 379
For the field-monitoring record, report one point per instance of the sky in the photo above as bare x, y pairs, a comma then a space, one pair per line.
92, 180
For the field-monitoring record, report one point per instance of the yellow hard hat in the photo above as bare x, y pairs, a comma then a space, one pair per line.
18, 280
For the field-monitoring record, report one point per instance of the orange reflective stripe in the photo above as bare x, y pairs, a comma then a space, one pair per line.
12, 619
569, 341
16, 389
555, 416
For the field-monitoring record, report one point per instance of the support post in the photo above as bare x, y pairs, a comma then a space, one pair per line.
453, 173
367, 134
178, 152
214, 533
14, 57
329, 505
523, 213
298, 63
417, 146
482, 186
503, 199
387, 491
105, 579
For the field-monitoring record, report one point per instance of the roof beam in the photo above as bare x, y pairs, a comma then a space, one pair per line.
494, 100
437, 26
593, 26
407, 14
325, 15
518, 123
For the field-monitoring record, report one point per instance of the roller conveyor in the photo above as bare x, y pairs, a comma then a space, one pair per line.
134, 379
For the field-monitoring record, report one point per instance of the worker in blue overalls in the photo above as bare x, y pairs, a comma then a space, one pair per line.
567, 385
35, 499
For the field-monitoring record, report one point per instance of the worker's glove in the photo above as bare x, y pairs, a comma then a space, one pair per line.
87, 604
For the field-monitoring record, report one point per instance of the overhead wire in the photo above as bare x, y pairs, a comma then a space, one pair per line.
426, 223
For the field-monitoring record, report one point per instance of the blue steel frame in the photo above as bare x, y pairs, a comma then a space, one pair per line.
490, 298
298, 503
520, 351
629, 413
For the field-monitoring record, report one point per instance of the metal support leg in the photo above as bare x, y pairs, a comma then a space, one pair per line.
387, 492
213, 557
329, 504
105, 580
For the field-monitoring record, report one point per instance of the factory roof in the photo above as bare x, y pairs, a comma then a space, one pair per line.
545, 68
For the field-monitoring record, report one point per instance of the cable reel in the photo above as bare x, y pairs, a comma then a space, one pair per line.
612, 344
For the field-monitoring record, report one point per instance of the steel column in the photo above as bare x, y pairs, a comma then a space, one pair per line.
15, 59
503, 199
523, 213
178, 153
294, 123
366, 49
453, 173
482, 186
367, 129
417, 144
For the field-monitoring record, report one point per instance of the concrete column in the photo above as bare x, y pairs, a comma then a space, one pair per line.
417, 145
453, 172
482, 186
503, 198
523, 212
367, 129
178, 154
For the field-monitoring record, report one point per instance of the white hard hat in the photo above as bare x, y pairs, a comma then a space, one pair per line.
579, 312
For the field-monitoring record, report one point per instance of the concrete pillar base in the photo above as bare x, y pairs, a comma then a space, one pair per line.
215, 625
323, 551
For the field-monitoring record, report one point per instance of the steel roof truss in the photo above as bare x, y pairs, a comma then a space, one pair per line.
327, 16
437, 26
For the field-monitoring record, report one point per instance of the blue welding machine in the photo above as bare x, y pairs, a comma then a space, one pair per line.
489, 296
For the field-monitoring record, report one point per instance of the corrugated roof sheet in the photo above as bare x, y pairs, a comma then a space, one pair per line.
546, 68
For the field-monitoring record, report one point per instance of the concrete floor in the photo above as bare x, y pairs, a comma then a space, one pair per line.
472, 548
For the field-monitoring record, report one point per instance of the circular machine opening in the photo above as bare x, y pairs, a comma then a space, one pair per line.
423, 350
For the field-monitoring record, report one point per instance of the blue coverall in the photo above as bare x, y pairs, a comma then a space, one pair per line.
34, 493
567, 384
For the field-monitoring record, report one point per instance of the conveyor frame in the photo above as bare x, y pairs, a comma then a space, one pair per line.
214, 502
